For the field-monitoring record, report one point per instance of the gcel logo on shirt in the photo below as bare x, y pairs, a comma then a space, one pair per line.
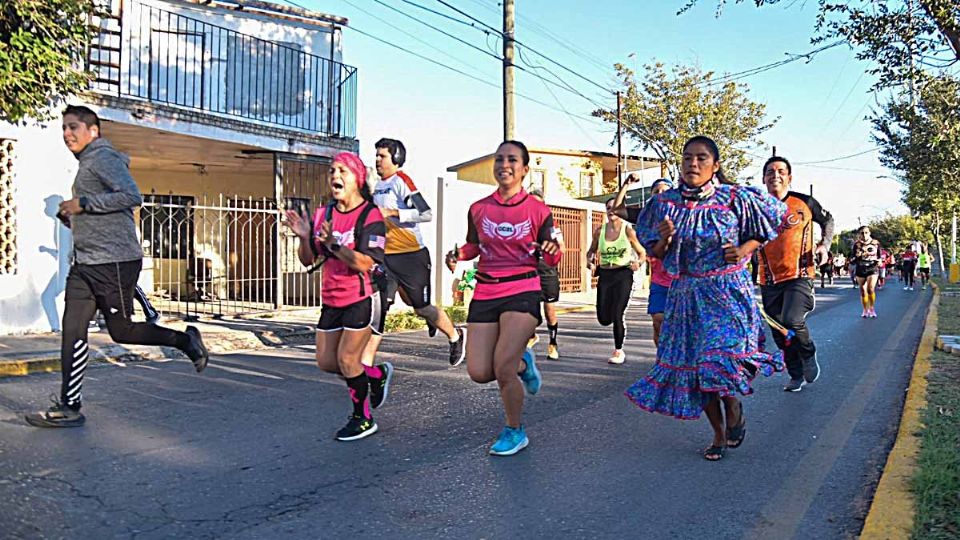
507, 230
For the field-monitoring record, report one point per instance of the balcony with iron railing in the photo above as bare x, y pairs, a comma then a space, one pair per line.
163, 57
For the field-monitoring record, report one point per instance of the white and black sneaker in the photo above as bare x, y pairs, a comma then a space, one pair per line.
457, 350
357, 428
795, 385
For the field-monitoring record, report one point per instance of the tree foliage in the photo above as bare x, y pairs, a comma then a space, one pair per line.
895, 232
921, 143
661, 112
41, 54
903, 38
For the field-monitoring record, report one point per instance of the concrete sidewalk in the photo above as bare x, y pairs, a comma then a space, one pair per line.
35, 353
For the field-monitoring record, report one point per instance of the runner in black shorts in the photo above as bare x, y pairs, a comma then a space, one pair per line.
866, 257
549, 295
347, 238
107, 262
407, 266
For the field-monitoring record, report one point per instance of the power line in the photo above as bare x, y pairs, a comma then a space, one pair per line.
841, 158
730, 77
449, 35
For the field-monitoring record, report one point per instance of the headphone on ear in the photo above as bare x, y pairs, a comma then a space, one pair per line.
399, 155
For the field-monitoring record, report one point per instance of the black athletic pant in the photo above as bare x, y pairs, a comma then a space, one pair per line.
789, 302
109, 288
909, 267
614, 286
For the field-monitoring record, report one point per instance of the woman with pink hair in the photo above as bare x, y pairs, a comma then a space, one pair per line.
347, 237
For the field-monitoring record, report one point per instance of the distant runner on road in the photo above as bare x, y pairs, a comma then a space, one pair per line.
866, 258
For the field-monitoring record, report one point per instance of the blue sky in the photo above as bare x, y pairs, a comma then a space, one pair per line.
445, 118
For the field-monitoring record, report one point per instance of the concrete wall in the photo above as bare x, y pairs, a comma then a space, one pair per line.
32, 299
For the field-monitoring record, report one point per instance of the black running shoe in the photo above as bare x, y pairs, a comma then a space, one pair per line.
195, 350
811, 369
795, 385
380, 388
457, 350
357, 428
58, 415
431, 329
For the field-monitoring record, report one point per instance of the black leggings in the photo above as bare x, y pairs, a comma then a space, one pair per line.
908, 268
108, 287
614, 287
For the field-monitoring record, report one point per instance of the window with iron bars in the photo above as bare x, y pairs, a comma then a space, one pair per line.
8, 209
166, 222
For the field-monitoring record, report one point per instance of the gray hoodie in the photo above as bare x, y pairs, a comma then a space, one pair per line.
105, 231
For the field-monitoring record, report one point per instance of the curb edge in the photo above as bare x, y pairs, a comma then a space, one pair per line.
893, 508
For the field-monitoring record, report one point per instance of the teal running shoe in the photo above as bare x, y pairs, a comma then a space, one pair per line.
510, 441
531, 376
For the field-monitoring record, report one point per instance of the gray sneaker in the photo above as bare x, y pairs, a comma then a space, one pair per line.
795, 385
811, 369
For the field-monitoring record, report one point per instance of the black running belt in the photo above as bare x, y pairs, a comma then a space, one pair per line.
487, 278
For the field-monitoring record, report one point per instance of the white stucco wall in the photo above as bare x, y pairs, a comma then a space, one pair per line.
32, 300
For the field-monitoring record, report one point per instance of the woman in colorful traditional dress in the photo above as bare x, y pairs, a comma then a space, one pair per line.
711, 341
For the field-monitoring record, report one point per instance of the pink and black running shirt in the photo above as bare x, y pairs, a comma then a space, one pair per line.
505, 235
342, 286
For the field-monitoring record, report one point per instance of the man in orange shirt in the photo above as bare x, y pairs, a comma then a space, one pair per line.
787, 266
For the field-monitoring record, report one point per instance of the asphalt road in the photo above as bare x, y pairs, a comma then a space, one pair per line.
246, 449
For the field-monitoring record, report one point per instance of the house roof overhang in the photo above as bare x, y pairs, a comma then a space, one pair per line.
559, 152
277, 11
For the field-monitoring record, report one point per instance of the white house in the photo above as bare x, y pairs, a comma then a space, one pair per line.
230, 111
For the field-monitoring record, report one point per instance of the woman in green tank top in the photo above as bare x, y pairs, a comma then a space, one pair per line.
924, 264
615, 254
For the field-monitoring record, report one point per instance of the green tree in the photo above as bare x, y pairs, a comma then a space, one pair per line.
905, 39
920, 142
41, 55
895, 232
661, 112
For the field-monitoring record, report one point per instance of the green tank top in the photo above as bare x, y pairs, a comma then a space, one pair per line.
617, 252
923, 261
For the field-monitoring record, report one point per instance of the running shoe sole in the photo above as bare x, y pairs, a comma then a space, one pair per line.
388, 368
523, 444
360, 435
40, 420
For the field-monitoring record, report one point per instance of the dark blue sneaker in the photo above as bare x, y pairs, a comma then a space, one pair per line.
510, 441
531, 375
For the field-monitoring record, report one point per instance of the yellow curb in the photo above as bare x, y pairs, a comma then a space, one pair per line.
19, 368
892, 511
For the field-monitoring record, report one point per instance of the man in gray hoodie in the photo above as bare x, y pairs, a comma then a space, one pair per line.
107, 259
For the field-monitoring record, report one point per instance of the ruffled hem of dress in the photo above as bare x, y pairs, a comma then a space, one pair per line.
682, 392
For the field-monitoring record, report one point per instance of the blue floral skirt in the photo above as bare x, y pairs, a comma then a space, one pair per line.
711, 344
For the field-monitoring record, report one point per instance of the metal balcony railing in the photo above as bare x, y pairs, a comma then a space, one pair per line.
165, 57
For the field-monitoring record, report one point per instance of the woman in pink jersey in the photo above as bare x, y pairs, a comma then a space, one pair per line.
347, 237
509, 231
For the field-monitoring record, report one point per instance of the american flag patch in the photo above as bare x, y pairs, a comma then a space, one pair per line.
377, 241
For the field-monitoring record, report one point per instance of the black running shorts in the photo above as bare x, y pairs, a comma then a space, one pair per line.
111, 285
356, 316
411, 273
489, 311
866, 270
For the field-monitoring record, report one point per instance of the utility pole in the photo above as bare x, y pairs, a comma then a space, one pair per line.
508, 111
619, 147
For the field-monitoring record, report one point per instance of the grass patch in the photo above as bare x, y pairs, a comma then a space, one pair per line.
408, 320
937, 481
